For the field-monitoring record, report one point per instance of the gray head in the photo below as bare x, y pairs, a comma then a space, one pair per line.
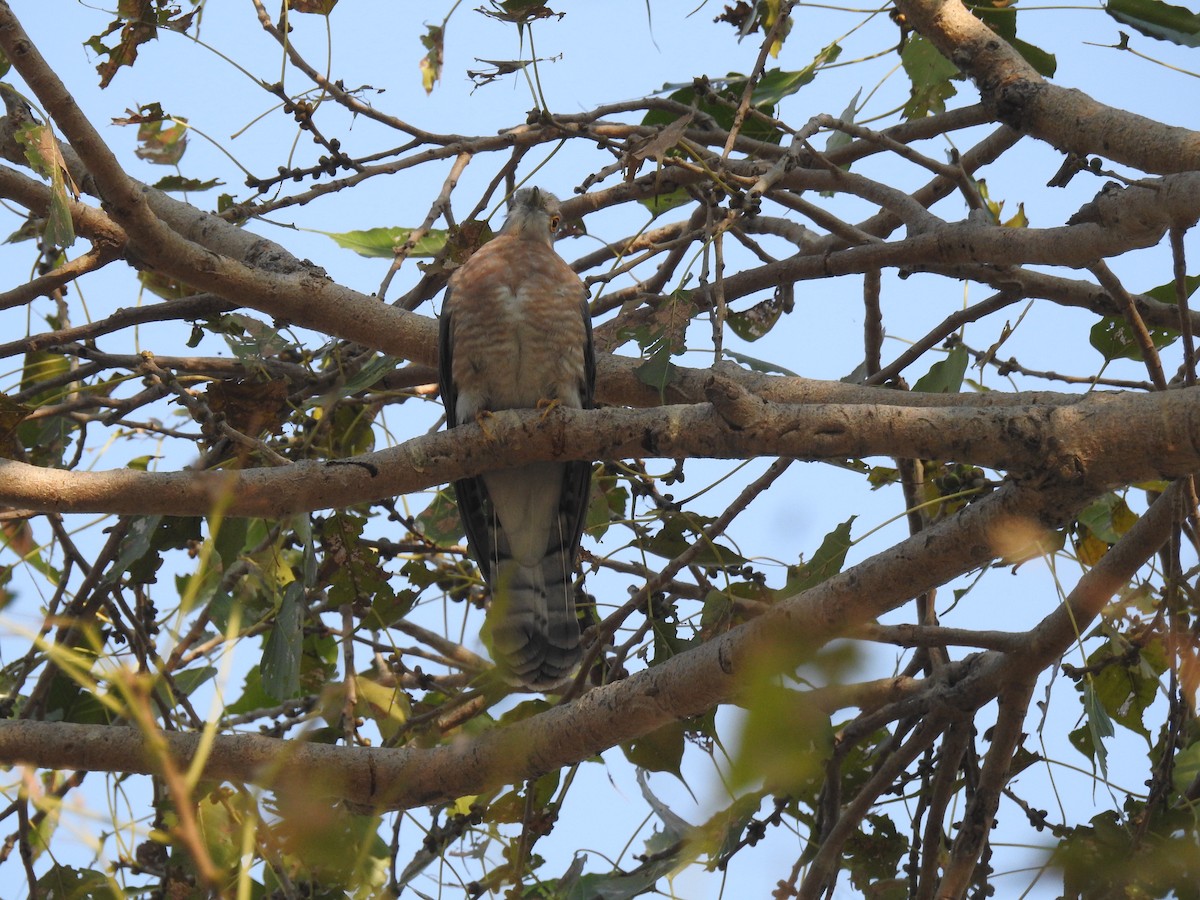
533, 214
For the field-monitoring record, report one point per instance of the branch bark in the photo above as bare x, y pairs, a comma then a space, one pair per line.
1096, 442
686, 685
1066, 118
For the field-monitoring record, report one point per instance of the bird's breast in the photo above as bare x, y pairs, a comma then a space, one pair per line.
519, 337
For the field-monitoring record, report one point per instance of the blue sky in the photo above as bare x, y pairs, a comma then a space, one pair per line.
599, 53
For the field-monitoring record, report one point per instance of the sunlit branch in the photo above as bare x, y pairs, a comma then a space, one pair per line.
1093, 441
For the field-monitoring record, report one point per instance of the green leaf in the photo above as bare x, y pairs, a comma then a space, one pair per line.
69, 883
1108, 518
67, 701
253, 696
184, 683
759, 319
188, 680
383, 242
826, 562
281, 656
1162, 21
1114, 338
41, 365
361, 578
839, 139
302, 526
1165, 293
169, 289
440, 522
759, 365
377, 368
730, 90
930, 74
658, 371
229, 539
1003, 21
135, 547
776, 84
387, 707
1099, 725
945, 376
722, 833
42, 151
661, 203
1186, 768
1124, 684
614, 885
389, 607
251, 339
659, 751
675, 827
679, 530
518, 12
785, 741
1081, 740
179, 183
608, 504
313, 7
873, 857
881, 476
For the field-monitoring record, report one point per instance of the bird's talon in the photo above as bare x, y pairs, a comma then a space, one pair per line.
481, 418
546, 406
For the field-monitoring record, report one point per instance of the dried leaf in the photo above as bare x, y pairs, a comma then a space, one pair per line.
431, 62
162, 144
138, 21
316, 7
519, 12
500, 68
252, 408
666, 139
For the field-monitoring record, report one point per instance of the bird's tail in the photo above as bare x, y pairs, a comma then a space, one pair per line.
535, 634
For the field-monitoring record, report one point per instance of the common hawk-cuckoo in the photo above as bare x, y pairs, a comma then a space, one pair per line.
516, 334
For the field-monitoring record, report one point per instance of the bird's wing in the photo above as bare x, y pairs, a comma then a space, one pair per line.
470, 495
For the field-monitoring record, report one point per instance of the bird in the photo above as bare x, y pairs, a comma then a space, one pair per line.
515, 333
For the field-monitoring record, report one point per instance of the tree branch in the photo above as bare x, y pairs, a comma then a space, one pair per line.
1066, 118
1096, 442
686, 685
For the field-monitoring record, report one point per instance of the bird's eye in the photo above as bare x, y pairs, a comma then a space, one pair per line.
555, 221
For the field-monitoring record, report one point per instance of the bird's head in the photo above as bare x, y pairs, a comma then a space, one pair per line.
533, 214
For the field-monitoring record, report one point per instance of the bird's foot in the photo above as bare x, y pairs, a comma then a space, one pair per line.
546, 406
481, 418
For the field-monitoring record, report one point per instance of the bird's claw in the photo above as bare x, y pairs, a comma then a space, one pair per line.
481, 418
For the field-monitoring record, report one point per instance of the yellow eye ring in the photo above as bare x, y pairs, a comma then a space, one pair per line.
555, 221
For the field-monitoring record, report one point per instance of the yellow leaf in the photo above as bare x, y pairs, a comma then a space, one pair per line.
1091, 549
1020, 220
389, 707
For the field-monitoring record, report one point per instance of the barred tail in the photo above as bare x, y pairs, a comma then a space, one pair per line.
535, 634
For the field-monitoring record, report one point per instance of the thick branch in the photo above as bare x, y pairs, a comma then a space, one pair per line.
1068, 119
685, 685
1097, 442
